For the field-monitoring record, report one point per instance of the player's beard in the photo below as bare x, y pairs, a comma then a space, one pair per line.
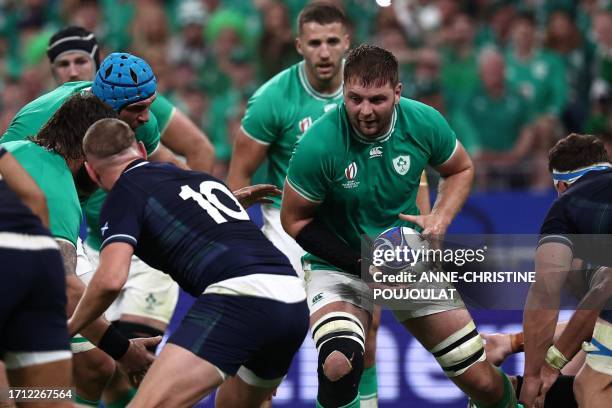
85, 186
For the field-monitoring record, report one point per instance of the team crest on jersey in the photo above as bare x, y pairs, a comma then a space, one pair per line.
350, 173
376, 151
305, 124
401, 164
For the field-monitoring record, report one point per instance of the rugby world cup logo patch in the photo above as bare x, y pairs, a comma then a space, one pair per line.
305, 124
350, 173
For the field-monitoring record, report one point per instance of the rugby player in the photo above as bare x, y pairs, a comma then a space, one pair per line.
582, 176
336, 190
279, 113
250, 316
54, 159
74, 55
131, 97
34, 345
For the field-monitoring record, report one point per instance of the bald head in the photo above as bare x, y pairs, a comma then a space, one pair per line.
109, 146
492, 69
108, 137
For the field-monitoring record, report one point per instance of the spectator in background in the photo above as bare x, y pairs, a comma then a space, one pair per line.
425, 83
564, 39
277, 43
459, 67
495, 31
540, 77
224, 106
188, 46
602, 30
493, 123
150, 29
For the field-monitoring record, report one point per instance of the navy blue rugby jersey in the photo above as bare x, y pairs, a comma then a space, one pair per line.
16, 216
187, 224
582, 219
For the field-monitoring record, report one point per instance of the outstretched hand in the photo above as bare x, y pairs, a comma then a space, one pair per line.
259, 193
432, 224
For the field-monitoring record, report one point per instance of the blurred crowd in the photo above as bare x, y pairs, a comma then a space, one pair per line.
510, 76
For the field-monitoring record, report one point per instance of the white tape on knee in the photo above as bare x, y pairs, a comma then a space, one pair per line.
338, 325
461, 350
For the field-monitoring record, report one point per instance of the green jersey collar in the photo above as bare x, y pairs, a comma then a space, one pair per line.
311, 90
381, 138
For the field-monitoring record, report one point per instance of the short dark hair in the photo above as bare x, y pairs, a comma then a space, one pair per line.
64, 131
576, 151
322, 13
108, 137
371, 66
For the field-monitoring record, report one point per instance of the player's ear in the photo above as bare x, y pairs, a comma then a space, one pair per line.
92, 173
142, 150
298, 45
397, 92
561, 187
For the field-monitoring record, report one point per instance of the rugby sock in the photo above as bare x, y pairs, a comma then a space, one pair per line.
123, 401
353, 404
368, 388
83, 401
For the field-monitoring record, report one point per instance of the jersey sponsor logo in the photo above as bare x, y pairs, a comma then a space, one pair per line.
305, 124
104, 228
401, 164
329, 107
376, 151
316, 298
350, 173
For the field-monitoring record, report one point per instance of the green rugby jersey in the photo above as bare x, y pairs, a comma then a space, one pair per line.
541, 80
50, 171
31, 118
280, 112
363, 184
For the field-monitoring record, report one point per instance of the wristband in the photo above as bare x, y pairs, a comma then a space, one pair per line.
114, 343
517, 343
555, 358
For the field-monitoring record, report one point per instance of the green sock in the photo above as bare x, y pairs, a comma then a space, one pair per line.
123, 401
368, 388
83, 401
353, 404
508, 398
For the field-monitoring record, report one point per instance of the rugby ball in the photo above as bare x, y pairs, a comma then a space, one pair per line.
400, 248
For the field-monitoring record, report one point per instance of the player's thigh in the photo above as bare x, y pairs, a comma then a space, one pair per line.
592, 388
54, 375
236, 393
177, 378
332, 291
432, 329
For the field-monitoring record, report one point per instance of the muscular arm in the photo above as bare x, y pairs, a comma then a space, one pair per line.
580, 326
105, 285
183, 137
457, 176
298, 220
552, 261
163, 154
247, 156
18, 180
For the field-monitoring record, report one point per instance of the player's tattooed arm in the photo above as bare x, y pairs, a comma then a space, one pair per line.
69, 256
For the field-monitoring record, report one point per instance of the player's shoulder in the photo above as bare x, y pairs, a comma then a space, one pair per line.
330, 130
416, 109
280, 84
